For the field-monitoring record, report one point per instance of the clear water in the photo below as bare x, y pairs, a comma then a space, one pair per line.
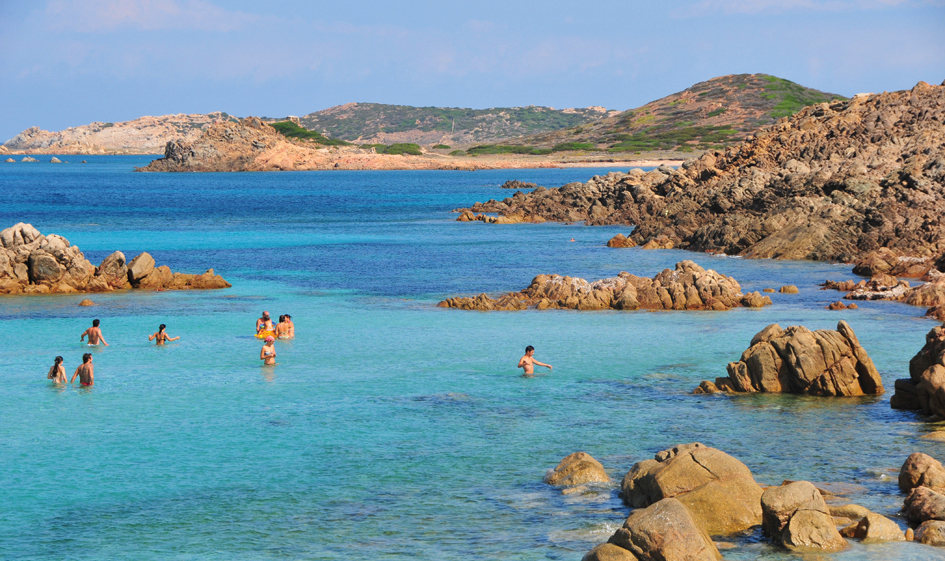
389, 427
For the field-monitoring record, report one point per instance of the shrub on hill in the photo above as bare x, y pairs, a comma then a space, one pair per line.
404, 148
289, 129
488, 149
571, 146
441, 147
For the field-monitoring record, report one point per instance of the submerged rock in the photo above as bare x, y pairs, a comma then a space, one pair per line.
576, 469
800, 361
688, 287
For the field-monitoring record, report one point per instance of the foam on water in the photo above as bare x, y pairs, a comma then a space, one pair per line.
390, 427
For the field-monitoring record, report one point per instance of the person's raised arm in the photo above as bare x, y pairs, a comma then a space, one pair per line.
548, 366
151, 338
173, 338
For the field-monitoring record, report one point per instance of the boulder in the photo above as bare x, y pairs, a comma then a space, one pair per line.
921, 470
43, 268
925, 388
924, 504
576, 469
931, 532
114, 271
719, 491
877, 528
140, 267
609, 552
18, 234
158, 278
789, 289
621, 240
86, 302
208, 280
796, 516
798, 360
665, 531
10, 161
55, 160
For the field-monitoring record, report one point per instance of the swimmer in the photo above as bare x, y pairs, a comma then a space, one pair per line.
85, 371
281, 328
528, 362
264, 323
57, 372
290, 329
94, 333
268, 353
161, 336
572, 239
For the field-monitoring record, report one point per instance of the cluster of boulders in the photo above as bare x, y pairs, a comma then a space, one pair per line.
924, 389
838, 305
833, 182
33, 263
687, 287
513, 218
800, 361
689, 494
882, 286
516, 184
923, 477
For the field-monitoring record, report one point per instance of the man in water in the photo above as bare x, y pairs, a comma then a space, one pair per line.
528, 362
264, 323
85, 371
94, 333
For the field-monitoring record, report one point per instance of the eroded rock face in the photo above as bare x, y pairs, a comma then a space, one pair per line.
834, 182
609, 552
718, 490
31, 263
621, 240
800, 361
796, 516
665, 531
688, 287
924, 504
885, 261
925, 388
877, 528
931, 532
576, 469
921, 470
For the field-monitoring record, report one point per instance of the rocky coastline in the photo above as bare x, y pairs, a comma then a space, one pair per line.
687, 287
33, 263
834, 182
691, 501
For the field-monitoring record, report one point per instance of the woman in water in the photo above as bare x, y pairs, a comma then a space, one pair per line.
57, 372
282, 328
268, 353
161, 336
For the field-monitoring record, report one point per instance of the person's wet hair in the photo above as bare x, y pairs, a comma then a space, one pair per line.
162, 327
95, 323
86, 357
58, 360
529, 348
281, 319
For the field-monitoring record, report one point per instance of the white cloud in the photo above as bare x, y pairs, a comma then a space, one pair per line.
147, 15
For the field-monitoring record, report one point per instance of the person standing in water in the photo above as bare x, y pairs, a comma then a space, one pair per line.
94, 334
268, 353
57, 372
528, 362
264, 323
85, 371
290, 327
161, 336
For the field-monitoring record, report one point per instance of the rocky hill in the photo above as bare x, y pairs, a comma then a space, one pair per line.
368, 123
709, 115
145, 135
834, 182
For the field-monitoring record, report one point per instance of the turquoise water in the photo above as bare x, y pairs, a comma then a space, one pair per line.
389, 427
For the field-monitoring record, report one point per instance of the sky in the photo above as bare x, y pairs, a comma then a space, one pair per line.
67, 63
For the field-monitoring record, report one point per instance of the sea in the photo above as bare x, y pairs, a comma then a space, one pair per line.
390, 428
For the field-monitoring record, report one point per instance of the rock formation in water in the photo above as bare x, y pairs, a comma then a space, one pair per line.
576, 469
688, 287
800, 361
924, 389
796, 516
33, 263
834, 182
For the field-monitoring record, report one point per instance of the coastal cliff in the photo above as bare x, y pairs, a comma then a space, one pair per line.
834, 182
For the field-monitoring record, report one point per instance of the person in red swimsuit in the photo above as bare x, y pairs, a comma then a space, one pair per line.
85, 371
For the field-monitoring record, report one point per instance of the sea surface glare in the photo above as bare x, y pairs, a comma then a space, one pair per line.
389, 428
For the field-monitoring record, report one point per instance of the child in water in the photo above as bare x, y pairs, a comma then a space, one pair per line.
268, 353
57, 372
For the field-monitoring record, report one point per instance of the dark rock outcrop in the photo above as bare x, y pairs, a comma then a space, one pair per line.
925, 388
798, 360
31, 263
834, 182
688, 287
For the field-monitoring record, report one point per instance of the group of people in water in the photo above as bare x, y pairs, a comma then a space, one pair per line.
265, 329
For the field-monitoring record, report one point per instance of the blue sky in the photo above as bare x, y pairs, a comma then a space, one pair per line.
67, 63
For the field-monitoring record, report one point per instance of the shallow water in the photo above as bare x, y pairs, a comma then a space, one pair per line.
389, 427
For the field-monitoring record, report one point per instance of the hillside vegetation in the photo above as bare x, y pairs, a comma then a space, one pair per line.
709, 115
397, 124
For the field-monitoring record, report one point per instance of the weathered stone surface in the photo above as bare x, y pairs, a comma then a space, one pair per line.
140, 267
609, 552
798, 360
687, 287
86, 302
931, 532
31, 263
576, 469
718, 490
921, 470
925, 388
885, 261
621, 240
796, 516
924, 504
789, 289
665, 531
877, 528
833, 182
